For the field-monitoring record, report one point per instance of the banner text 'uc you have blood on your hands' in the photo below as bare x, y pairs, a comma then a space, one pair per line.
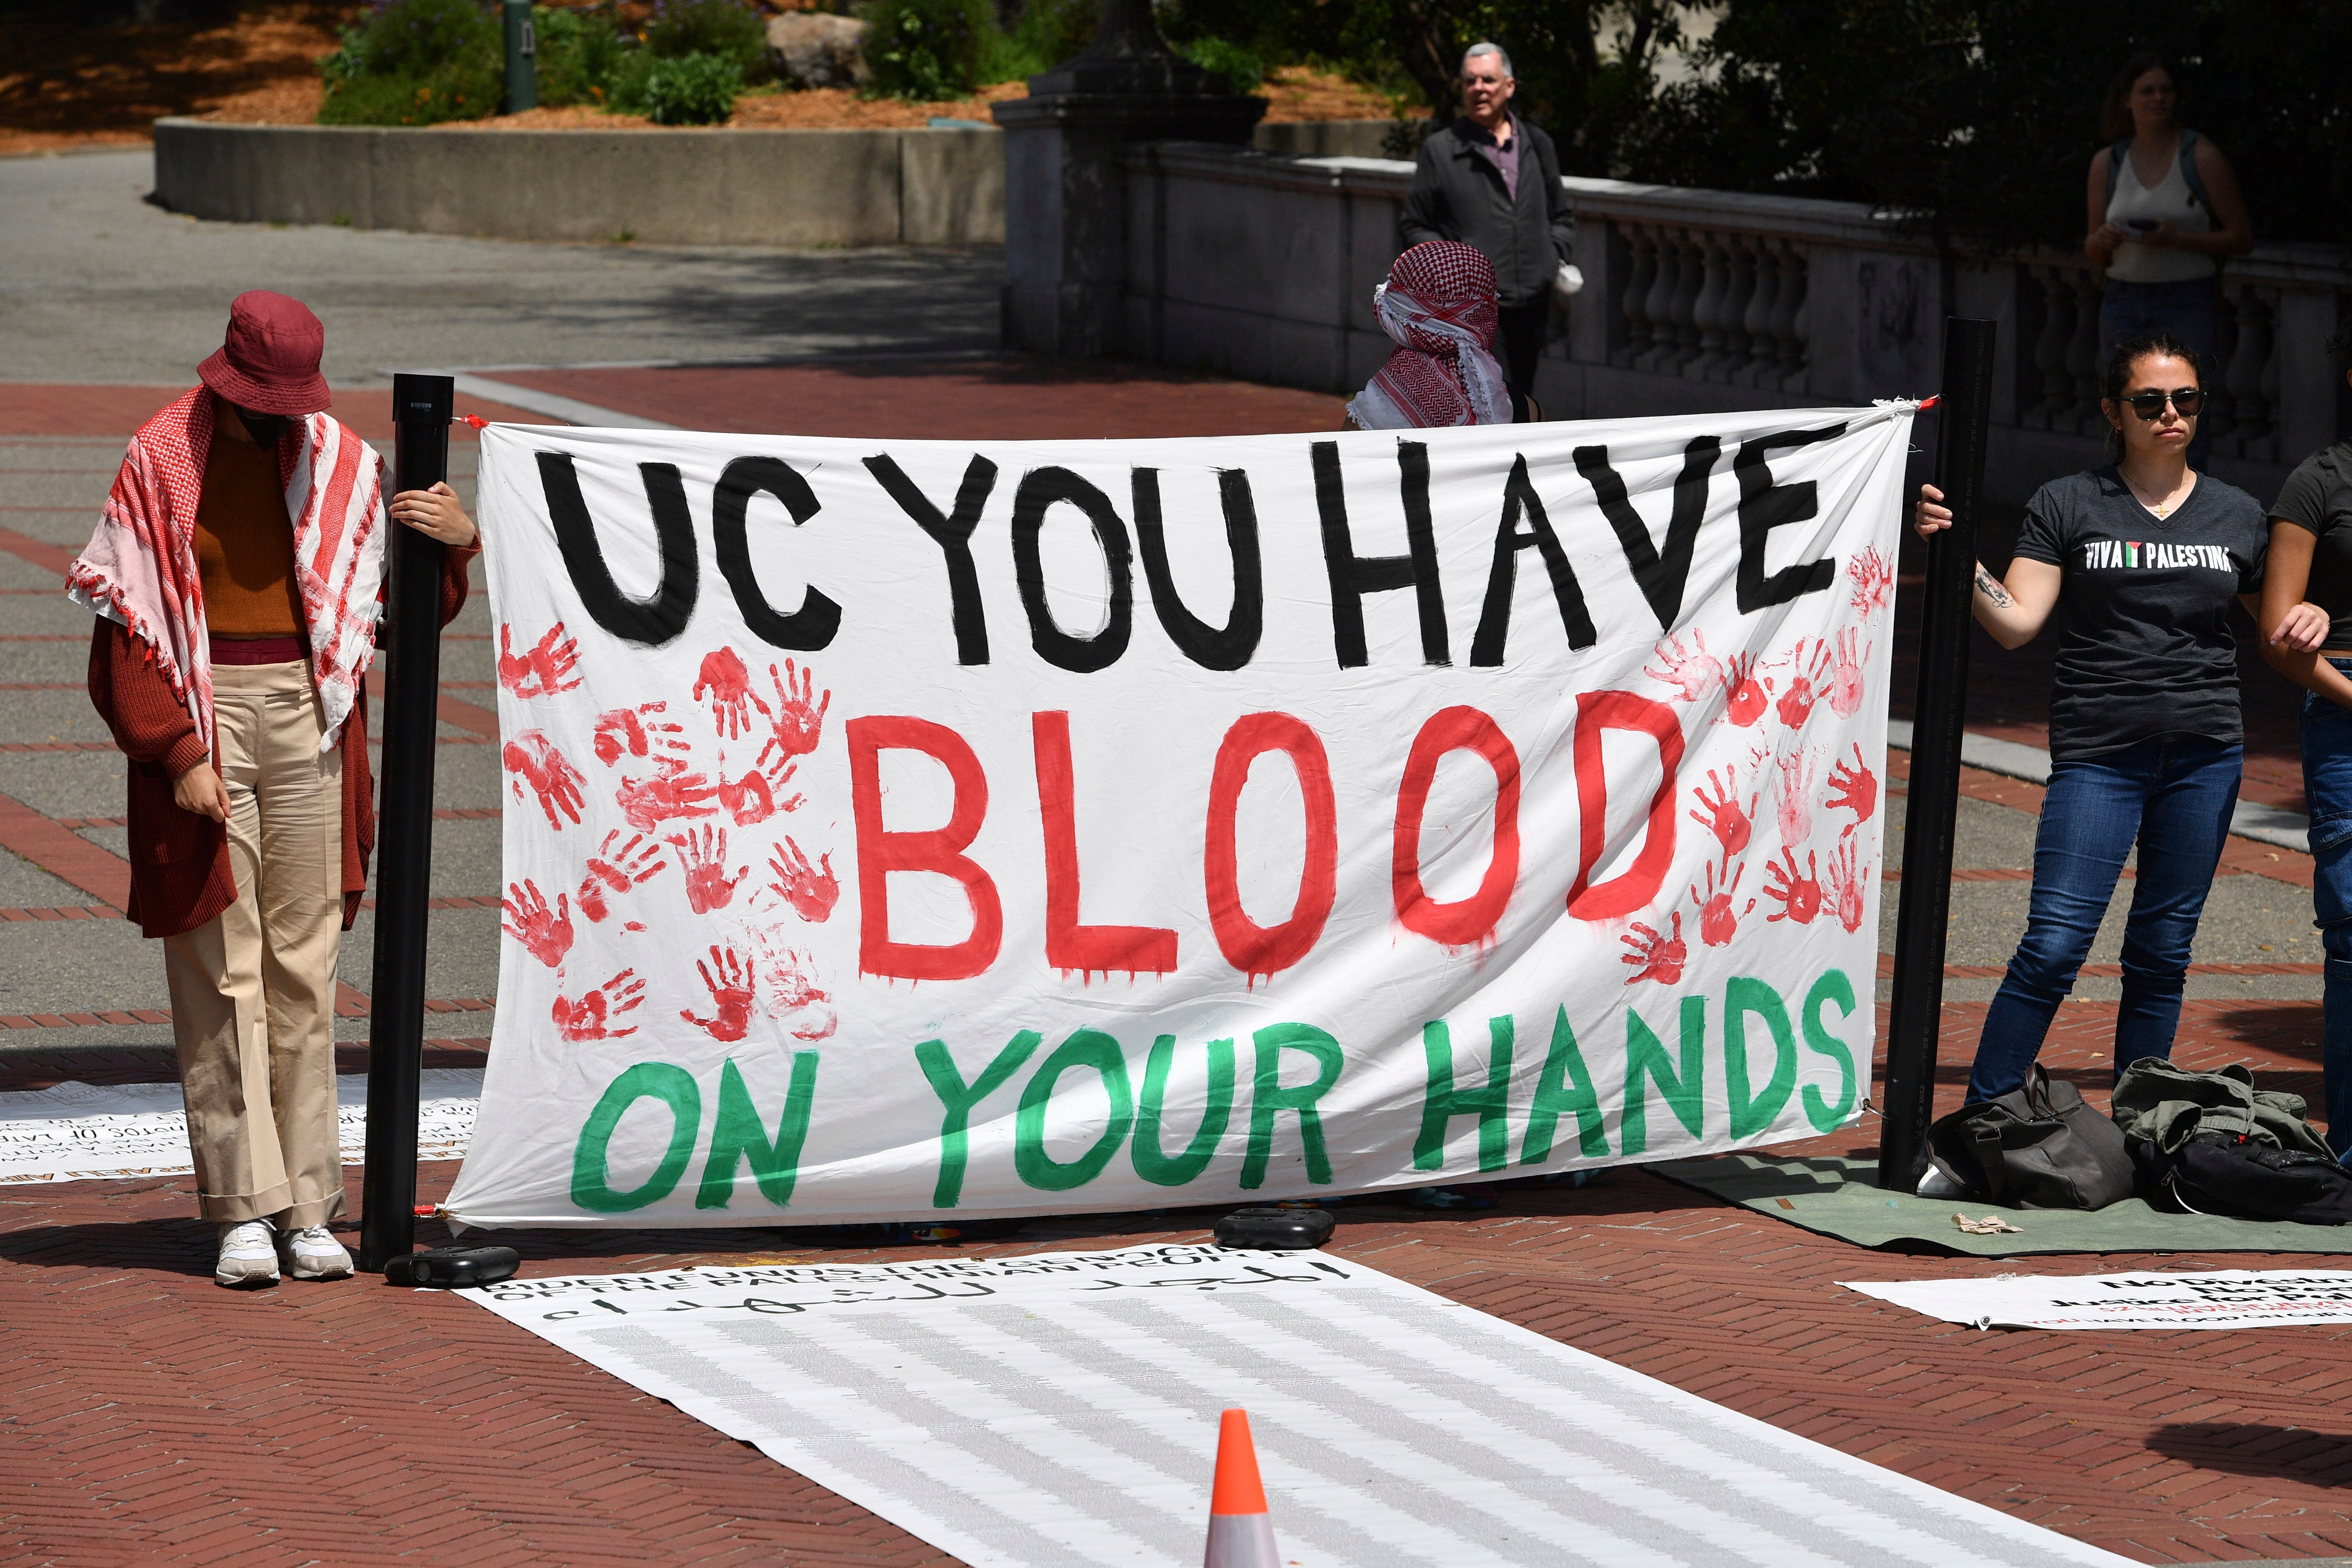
898, 829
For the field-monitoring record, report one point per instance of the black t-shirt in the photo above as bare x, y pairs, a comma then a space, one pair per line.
2144, 641
2319, 499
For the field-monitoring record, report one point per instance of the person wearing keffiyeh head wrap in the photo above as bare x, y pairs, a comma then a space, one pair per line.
235, 579
1439, 306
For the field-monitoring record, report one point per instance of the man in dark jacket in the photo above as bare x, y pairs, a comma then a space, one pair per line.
1491, 181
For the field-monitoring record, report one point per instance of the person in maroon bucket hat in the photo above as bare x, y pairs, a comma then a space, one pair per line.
237, 574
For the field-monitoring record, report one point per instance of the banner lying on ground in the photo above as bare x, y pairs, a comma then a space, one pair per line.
909, 827
81, 1131
2228, 1299
1059, 1410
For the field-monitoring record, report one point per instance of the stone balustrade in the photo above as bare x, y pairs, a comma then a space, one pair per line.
1699, 301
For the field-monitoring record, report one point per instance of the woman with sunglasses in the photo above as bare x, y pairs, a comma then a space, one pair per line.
2311, 554
2139, 560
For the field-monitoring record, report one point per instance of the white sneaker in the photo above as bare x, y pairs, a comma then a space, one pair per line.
314, 1254
247, 1256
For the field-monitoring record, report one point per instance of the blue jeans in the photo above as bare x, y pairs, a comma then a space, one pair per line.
2173, 796
2189, 311
2327, 794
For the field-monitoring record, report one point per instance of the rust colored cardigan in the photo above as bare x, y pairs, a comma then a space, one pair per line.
179, 869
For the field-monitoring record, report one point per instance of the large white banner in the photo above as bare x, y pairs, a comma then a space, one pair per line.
904, 828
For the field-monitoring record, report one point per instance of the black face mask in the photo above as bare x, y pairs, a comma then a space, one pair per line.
265, 428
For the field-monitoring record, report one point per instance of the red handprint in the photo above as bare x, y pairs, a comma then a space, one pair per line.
1796, 815
1800, 897
1845, 684
1718, 920
1696, 674
586, 1018
753, 798
1874, 582
799, 720
611, 870
1846, 887
1746, 703
791, 984
819, 1029
542, 671
812, 890
1853, 789
552, 776
1722, 816
1797, 702
730, 991
646, 803
527, 919
708, 886
1656, 957
636, 732
727, 683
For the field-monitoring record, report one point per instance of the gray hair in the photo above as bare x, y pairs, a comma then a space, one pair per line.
1482, 47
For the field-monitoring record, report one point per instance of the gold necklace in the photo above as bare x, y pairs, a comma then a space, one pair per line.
2157, 507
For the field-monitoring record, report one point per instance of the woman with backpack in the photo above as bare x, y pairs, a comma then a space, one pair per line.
2139, 561
2164, 207
2311, 557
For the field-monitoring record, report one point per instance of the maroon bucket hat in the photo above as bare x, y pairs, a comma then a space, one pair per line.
270, 361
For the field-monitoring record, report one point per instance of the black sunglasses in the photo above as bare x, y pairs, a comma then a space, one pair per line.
2150, 405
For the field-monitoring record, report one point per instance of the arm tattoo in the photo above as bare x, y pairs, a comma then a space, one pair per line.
1992, 590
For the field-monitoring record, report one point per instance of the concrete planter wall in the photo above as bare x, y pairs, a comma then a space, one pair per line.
677, 187
685, 187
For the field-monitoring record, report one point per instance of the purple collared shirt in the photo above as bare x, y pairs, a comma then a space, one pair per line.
1506, 158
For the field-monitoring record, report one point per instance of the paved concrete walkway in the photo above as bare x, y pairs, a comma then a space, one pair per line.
96, 285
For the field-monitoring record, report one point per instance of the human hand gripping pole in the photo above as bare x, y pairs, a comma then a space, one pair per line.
412, 656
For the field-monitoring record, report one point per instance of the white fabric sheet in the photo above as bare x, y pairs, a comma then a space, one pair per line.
82, 1132
1060, 1410
2227, 1299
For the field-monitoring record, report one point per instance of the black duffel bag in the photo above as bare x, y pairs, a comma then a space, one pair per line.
2212, 1143
2240, 1178
2039, 1147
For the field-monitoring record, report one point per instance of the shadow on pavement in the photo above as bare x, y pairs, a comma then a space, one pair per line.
2255, 1448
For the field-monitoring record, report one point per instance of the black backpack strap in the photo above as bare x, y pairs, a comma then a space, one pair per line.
2195, 180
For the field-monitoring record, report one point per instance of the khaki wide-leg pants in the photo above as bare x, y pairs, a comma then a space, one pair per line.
253, 992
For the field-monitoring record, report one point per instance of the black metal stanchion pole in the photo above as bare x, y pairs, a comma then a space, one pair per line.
422, 406
1907, 1098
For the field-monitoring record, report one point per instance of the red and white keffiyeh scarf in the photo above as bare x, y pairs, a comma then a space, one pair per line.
1439, 305
139, 566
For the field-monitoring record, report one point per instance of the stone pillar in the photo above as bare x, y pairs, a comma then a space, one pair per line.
1065, 211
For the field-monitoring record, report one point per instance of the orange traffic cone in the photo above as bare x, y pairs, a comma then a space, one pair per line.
1240, 1533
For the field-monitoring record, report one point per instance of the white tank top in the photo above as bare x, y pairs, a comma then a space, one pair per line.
2169, 200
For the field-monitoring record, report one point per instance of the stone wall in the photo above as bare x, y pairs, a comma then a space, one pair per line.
717, 186
1696, 300
683, 187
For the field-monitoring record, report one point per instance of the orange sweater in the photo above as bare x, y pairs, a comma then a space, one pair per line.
181, 876
244, 545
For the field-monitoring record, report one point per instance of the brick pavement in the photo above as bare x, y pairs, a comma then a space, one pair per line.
149, 1416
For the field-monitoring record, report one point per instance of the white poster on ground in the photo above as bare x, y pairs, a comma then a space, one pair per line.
85, 1131
1060, 1410
904, 829
2227, 1299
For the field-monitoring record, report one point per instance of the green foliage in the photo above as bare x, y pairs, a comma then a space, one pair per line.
687, 89
1052, 31
417, 62
579, 52
729, 29
1244, 68
927, 50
